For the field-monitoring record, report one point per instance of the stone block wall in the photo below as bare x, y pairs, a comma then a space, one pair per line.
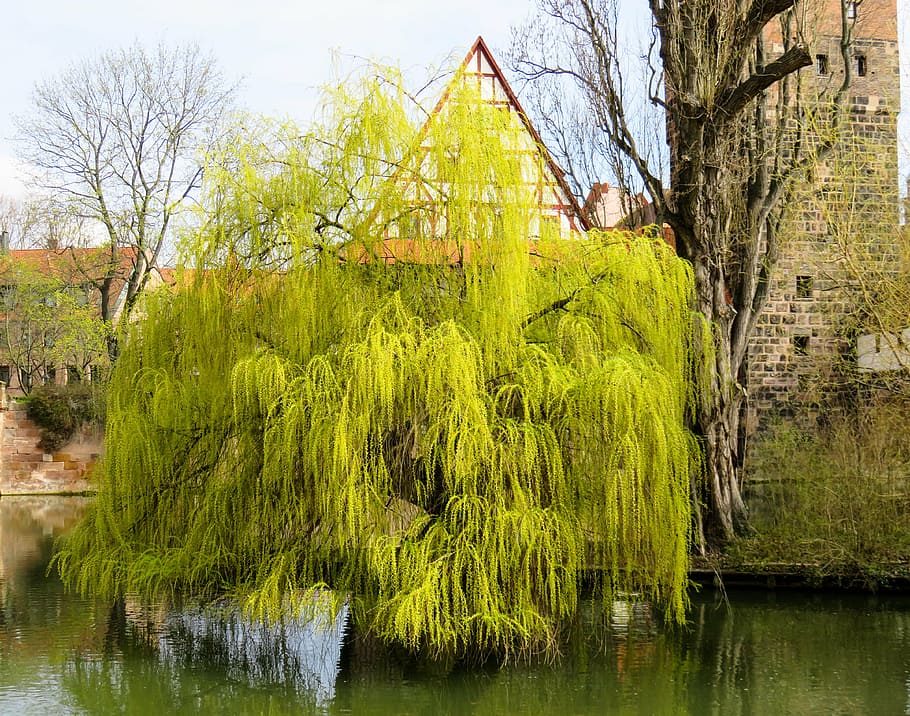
841, 223
26, 469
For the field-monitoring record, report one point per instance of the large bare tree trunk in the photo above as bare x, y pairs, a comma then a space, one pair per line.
735, 150
722, 239
718, 414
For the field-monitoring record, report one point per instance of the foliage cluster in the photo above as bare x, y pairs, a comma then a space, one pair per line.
450, 437
46, 323
837, 497
60, 410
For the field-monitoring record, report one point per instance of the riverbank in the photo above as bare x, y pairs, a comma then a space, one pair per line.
725, 573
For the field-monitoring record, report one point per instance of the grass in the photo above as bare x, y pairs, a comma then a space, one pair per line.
833, 500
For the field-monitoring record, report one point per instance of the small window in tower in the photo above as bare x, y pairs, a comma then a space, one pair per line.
800, 345
821, 64
861, 65
804, 287
851, 10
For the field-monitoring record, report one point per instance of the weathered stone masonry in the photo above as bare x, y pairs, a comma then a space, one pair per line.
26, 469
849, 212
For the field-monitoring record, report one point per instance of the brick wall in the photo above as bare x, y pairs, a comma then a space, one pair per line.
26, 469
845, 218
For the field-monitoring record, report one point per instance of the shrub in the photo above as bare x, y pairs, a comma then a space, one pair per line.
837, 497
60, 410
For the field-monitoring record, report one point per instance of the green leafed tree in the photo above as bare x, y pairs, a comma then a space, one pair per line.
47, 326
448, 424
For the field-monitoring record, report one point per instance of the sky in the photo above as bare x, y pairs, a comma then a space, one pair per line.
280, 51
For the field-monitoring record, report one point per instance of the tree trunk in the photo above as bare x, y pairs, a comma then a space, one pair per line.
710, 238
717, 418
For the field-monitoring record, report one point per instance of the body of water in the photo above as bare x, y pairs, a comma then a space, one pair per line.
759, 652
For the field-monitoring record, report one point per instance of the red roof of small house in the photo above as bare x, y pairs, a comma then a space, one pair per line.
76, 266
64, 261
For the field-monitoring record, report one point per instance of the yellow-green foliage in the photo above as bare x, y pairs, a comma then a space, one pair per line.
451, 445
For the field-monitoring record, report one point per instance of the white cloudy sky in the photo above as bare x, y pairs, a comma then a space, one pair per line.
280, 50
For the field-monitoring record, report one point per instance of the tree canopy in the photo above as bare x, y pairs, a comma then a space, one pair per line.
118, 140
47, 323
450, 432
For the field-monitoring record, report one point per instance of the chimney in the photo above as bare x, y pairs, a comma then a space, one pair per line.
4, 242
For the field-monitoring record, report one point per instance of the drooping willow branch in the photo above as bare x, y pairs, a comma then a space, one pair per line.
413, 431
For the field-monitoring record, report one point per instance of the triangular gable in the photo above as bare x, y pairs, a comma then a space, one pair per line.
554, 196
559, 214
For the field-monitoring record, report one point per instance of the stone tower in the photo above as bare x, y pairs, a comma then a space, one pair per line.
845, 217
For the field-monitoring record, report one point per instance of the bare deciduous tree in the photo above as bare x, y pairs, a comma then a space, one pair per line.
40, 223
118, 139
730, 114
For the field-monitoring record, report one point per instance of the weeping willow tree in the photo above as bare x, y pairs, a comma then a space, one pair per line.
386, 380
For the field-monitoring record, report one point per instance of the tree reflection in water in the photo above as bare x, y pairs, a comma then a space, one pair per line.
206, 660
770, 652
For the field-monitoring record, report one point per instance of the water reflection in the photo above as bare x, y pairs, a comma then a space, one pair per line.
39, 623
196, 664
818, 653
302, 654
767, 653
207, 660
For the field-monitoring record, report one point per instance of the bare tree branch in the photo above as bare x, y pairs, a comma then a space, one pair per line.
788, 63
117, 139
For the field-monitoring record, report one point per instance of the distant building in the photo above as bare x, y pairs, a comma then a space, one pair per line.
48, 276
609, 207
422, 232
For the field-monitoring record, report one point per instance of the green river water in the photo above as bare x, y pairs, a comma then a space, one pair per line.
759, 653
